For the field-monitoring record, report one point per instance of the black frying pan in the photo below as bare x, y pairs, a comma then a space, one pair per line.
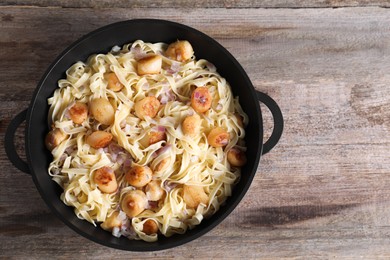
102, 40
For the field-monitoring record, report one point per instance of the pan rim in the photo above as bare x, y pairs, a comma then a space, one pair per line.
155, 246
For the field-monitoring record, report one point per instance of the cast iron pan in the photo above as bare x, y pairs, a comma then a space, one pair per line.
101, 41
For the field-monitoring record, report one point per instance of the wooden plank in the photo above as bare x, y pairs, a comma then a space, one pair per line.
197, 4
321, 192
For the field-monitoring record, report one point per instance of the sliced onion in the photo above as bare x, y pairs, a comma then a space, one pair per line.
113, 157
163, 149
138, 52
177, 76
128, 231
152, 204
122, 216
115, 49
161, 129
224, 142
167, 95
63, 158
190, 112
164, 99
69, 150
127, 164
67, 115
114, 148
168, 186
171, 96
211, 67
127, 128
175, 67
121, 158
116, 232
55, 171
145, 86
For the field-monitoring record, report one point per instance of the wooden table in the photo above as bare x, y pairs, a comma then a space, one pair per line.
323, 191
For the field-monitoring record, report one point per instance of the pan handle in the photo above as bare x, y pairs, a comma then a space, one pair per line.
278, 121
10, 145
23, 166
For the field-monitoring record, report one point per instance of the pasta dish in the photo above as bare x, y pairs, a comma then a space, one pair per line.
146, 140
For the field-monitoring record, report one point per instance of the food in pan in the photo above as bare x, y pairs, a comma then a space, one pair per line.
146, 140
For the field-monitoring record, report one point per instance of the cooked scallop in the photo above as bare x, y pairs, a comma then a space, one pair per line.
153, 191
111, 222
201, 99
191, 125
99, 139
134, 203
149, 65
78, 113
180, 51
113, 82
150, 227
102, 111
54, 138
147, 107
194, 195
218, 137
236, 157
138, 176
105, 179
153, 137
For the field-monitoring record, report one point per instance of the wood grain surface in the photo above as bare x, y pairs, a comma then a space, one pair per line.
322, 192
198, 4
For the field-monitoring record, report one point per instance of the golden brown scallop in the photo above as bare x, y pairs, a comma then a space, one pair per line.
134, 203
153, 137
236, 157
149, 65
99, 139
54, 138
153, 191
194, 195
78, 113
105, 179
218, 137
102, 111
201, 99
150, 227
111, 222
191, 125
138, 176
180, 51
113, 82
148, 106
